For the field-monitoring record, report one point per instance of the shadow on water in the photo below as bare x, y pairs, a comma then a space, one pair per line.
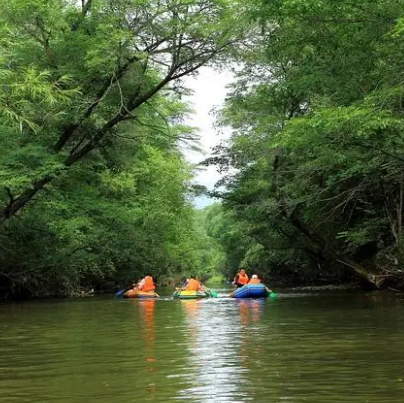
318, 347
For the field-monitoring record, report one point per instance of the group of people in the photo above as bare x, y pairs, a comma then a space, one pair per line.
241, 279
147, 284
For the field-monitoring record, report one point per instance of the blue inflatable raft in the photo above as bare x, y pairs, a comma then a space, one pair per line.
251, 291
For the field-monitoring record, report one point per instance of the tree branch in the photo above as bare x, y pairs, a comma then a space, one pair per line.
85, 9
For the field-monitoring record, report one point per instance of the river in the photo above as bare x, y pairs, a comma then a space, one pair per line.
312, 347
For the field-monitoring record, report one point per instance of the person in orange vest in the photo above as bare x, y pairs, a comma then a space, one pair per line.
241, 278
255, 280
147, 284
192, 285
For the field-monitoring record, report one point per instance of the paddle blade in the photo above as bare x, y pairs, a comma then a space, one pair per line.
272, 295
214, 294
119, 293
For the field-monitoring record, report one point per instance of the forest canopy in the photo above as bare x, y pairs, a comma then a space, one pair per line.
93, 181
317, 122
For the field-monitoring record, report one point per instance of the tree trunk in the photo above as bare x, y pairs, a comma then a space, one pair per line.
316, 239
18, 203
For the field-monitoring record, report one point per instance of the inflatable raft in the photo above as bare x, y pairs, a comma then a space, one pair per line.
140, 294
191, 294
251, 291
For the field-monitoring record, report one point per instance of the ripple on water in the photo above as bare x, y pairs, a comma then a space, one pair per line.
318, 348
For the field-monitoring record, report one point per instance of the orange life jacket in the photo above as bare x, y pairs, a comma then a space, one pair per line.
148, 284
255, 281
242, 279
193, 285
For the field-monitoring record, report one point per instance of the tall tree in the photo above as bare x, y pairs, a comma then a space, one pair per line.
75, 74
317, 118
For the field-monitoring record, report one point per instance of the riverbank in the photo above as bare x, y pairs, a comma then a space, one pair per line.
215, 284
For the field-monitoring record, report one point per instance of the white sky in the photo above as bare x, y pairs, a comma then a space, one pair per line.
209, 92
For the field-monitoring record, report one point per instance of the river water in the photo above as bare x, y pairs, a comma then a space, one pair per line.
304, 347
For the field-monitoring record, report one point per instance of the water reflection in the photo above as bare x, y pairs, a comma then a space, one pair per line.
192, 311
147, 320
214, 343
146, 317
251, 310
343, 348
251, 313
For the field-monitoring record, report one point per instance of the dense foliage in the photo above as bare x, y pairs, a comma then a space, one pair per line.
94, 186
317, 118
93, 183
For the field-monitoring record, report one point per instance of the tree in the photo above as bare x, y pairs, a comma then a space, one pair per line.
91, 118
317, 119
106, 61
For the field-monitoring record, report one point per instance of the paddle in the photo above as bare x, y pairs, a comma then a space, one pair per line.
121, 292
180, 288
213, 294
271, 294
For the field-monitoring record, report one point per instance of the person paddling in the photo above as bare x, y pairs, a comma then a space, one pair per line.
255, 280
192, 285
146, 284
241, 278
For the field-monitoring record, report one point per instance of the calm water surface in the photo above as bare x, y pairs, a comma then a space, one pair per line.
319, 347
